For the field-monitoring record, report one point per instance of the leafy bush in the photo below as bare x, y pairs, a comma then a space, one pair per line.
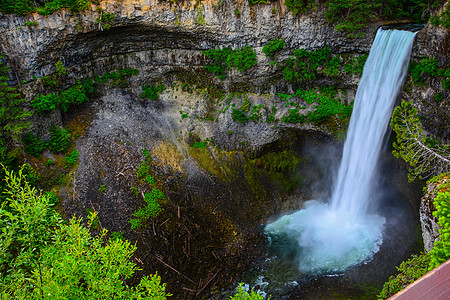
356, 64
74, 95
299, 6
72, 158
426, 66
201, 145
241, 59
152, 91
31, 23
33, 144
45, 102
441, 249
152, 210
242, 294
307, 64
59, 139
88, 87
273, 47
409, 271
294, 116
44, 257
443, 19
238, 115
106, 20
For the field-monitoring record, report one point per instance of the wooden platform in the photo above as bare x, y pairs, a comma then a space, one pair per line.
435, 285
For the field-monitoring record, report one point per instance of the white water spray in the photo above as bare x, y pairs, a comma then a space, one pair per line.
331, 237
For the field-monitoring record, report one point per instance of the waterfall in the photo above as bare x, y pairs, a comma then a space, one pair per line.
381, 82
330, 237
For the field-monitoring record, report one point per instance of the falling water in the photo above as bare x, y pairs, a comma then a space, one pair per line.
330, 237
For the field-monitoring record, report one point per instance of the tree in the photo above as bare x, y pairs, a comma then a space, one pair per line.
427, 155
42, 257
12, 116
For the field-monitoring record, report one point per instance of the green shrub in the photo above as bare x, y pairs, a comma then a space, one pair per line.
102, 188
152, 210
273, 47
356, 64
59, 139
441, 249
74, 95
152, 91
294, 116
443, 19
72, 158
426, 66
409, 271
45, 102
45, 257
256, 112
242, 294
150, 179
33, 144
305, 66
238, 116
31, 23
222, 59
88, 87
299, 6
106, 20
201, 145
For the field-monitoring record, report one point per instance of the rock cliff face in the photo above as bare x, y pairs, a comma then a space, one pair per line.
217, 197
430, 227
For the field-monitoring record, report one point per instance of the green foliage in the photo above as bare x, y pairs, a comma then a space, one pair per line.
152, 210
150, 179
59, 139
31, 23
45, 102
222, 59
427, 156
22, 7
294, 116
299, 6
88, 87
152, 91
409, 271
441, 249
238, 115
307, 64
328, 107
442, 19
427, 66
116, 235
355, 65
12, 116
43, 257
72, 158
273, 47
102, 188
60, 69
351, 15
242, 294
256, 112
106, 20
73, 96
143, 169
201, 145
117, 78
33, 144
